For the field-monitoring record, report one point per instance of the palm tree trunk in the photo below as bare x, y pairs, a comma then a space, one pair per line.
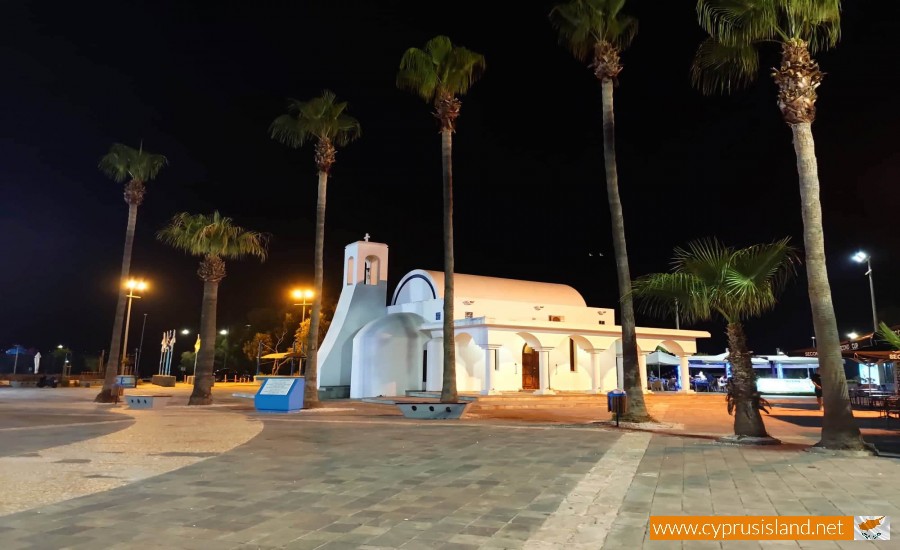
203, 375
839, 428
106, 394
637, 409
448, 389
311, 390
747, 418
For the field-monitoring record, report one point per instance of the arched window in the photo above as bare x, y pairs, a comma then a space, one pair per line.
372, 269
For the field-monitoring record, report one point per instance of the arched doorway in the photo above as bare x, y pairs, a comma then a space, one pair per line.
531, 371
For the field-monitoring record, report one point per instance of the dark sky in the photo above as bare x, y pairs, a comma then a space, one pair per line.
200, 83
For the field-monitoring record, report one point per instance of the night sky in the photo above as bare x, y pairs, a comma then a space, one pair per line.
200, 83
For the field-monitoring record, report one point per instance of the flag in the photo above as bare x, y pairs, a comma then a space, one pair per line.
197, 345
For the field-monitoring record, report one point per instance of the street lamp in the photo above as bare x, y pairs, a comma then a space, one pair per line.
65, 367
852, 335
185, 331
223, 332
303, 295
131, 285
861, 257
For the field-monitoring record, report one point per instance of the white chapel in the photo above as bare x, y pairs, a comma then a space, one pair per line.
510, 335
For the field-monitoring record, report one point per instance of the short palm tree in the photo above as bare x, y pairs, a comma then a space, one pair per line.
324, 120
729, 60
889, 335
597, 31
711, 280
215, 239
440, 73
135, 167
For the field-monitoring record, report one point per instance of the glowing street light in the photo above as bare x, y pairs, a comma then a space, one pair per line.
304, 295
861, 257
852, 335
223, 332
185, 331
132, 286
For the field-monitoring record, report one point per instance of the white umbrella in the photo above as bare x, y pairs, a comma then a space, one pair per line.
37, 362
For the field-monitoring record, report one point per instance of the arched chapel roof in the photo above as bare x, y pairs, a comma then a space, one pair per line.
421, 285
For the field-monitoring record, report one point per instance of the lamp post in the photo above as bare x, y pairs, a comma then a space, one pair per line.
140, 350
131, 285
861, 257
224, 332
65, 365
303, 295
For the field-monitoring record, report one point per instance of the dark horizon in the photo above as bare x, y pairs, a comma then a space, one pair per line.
201, 87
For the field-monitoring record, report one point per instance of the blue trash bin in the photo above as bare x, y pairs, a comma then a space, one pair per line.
617, 403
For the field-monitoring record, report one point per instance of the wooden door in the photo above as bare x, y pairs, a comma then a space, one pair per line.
531, 377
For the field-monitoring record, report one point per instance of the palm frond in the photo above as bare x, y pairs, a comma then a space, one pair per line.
665, 294
709, 277
440, 69
739, 22
582, 24
115, 163
439, 48
123, 163
322, 117
889, 335
816, 21
287, 130
719, 68
623, 29
706, 259
417, 73
574, 28
213, 235
462, 68
773, 264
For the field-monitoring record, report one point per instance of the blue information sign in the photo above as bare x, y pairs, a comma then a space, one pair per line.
280, 393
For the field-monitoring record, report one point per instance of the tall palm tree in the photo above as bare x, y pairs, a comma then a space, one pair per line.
712, 280
136, 167
729, 60
324, 120
597, 31
439, 73
215, 239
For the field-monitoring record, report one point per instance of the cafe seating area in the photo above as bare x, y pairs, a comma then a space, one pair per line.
876, 398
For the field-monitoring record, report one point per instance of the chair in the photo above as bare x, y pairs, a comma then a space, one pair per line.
891, 405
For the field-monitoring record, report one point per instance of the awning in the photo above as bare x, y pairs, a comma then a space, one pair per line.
662, 358
286, 355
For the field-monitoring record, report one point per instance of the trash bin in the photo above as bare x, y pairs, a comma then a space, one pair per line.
617, 403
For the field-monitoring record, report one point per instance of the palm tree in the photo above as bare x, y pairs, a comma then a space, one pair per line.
214, 238
597, 31
729, 60
711, 280
439, 73
889, 335
324, 120
136, 167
